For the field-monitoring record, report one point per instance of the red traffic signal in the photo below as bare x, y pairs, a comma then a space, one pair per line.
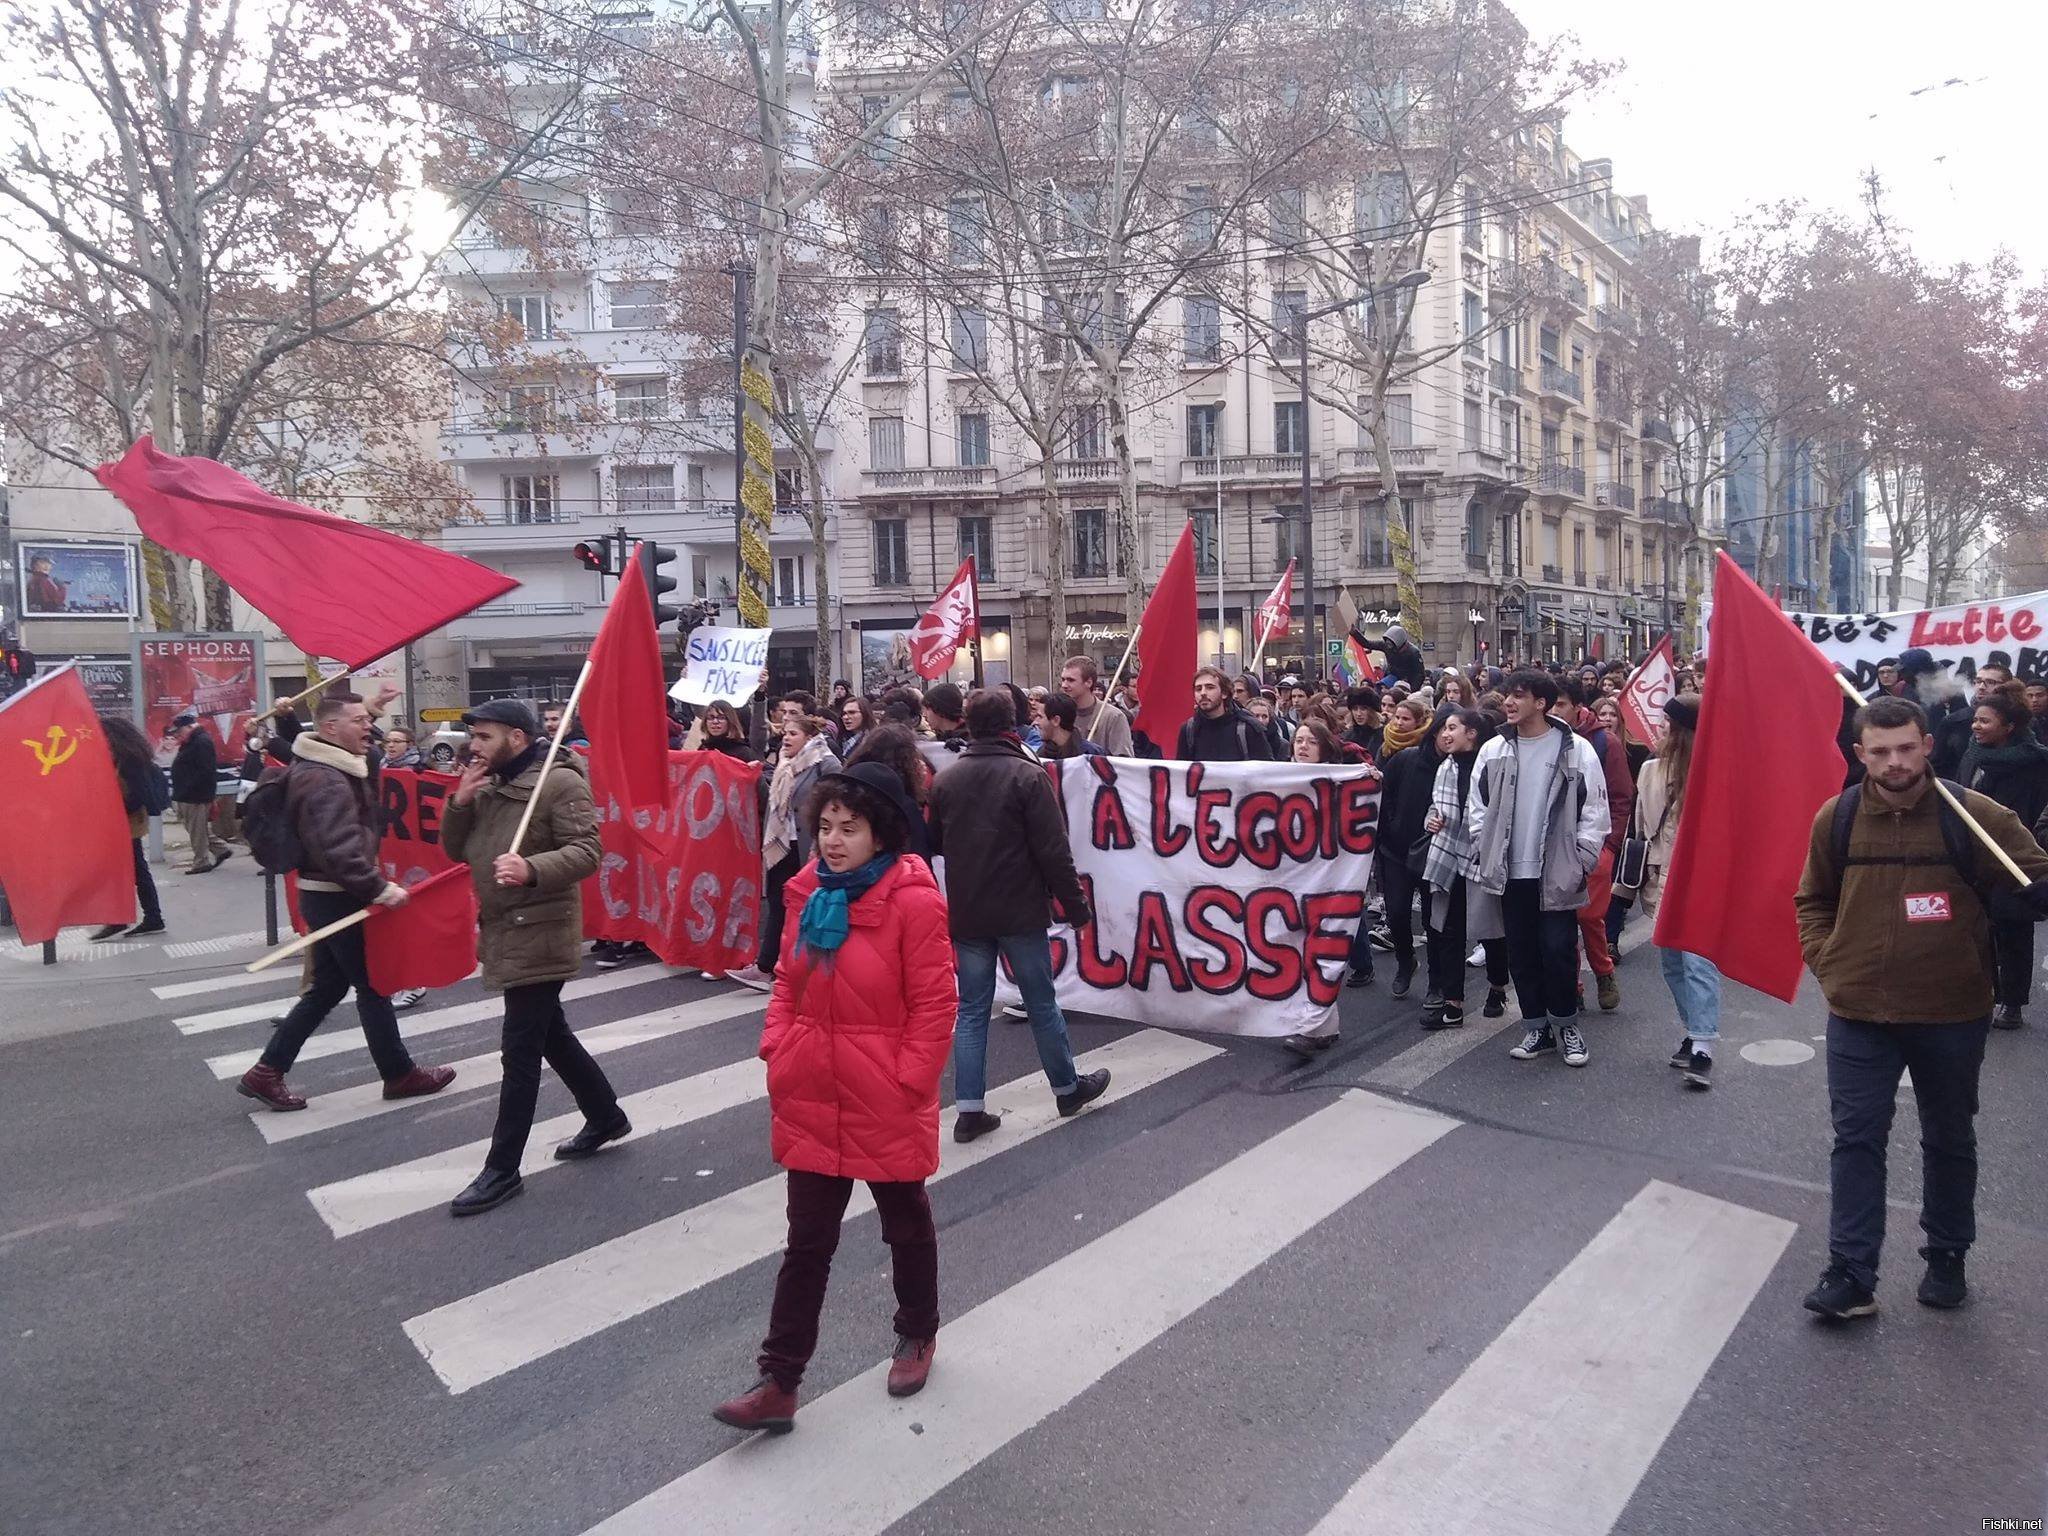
597, 557
18, 664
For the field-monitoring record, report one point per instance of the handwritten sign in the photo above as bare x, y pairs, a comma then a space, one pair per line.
721, 664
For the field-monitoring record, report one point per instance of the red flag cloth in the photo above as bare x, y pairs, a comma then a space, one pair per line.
1277, 610
428, 942
65, 854
1167, 643
624, 708
1644, 694
954, 617
1758, 777
338, 588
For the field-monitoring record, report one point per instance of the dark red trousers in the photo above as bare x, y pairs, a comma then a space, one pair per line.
817, 1206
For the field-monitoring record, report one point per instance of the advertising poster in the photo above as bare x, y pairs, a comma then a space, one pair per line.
219, 676
885, 660
76, 581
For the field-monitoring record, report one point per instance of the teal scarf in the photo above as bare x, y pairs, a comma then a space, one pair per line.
824, 923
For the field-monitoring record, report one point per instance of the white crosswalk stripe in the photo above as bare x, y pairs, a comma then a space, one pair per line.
281, 980
371, 1199
1017, 1358
481, 1337
346, 1106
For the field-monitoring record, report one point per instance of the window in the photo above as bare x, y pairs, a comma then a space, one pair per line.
882, 344
1546, 344
789, 488
1084, 432
1510, 432
1287, 216
1202, 323
1200, 125
1400, 416
1578, 451
1628, 556
1475, 425
978, 543
1289, 305
640, 399
1074, 218
531, 498
1071, 316
646, 487
633, 305
882, 147
1474, 324
1204, 519
629, 211
885, 442
700, 487
969, 232
1089, 530
891, 537
1476, 531
877, 234
1374, 549
1553, 545
1475, 219
973, 435
1383, 206
1198, 228
970, 340
1579, 556
1287, 433
1286, 536
789, 581
532, 311
1603, 554
1204, 422
526, 407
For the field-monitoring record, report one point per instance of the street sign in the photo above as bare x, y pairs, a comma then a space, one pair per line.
440, 716
1334, 649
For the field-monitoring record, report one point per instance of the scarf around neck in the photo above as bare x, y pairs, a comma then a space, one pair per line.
824, 924
1396, 739
780, 835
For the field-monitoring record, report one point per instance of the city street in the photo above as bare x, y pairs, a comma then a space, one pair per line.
1416, 1285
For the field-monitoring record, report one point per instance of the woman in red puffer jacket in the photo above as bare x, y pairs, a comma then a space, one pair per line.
859, 1027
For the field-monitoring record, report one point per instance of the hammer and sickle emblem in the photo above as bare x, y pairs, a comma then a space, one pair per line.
56, 748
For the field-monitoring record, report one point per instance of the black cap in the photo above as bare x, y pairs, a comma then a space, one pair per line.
516, 713
183, 717
1683, 709
888, 783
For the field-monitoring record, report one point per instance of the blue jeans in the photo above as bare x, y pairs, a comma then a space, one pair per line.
1696, 988
1030, 957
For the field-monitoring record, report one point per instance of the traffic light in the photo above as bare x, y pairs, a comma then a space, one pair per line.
597, 556
652, 558
17, 664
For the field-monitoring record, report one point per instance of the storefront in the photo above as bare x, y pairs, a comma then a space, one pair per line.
884, 655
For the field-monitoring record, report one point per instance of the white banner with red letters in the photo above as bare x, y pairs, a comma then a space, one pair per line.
2012, 631
1225, 895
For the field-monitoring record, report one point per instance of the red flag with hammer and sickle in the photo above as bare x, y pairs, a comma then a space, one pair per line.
65, 853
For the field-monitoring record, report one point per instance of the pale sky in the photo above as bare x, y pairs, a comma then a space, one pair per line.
1737, 102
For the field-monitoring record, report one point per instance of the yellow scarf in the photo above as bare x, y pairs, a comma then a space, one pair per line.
1395, 739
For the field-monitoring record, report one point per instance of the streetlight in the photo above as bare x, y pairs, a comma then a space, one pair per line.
1311, 636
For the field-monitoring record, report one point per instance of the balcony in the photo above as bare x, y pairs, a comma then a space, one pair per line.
1552, 281
972, 480
1612, 493
1487, 464
1244, 466
1664, 509
1603, 583
1554, 574
1505, 377
1657, 430
1364, 461
1557, 382
1510, 278
1613, 320
1557, 478
1099, 471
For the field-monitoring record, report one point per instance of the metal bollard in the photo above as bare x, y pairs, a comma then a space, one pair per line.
269, 907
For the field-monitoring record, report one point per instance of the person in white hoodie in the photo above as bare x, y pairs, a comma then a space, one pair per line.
1537, 818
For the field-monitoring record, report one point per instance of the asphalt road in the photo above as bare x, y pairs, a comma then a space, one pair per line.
1417, 1285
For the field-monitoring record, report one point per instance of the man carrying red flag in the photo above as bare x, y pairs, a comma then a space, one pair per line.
65, 853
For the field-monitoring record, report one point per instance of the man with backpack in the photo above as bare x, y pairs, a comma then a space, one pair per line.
320, 816
1218, 731
1895, 911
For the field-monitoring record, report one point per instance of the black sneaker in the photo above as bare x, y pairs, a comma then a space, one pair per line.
1699, 1072
971, 1124
1089, 1087
1432, 1000
1307, 1047
1445, 1016
1840, 1296
1942, 1286
1404, 978
1496, 1003
1382, 937
1682, 1057
2007, 1016
111, 931
1537, 1040
1572, 1044
608, 956
1360, 977
141, 930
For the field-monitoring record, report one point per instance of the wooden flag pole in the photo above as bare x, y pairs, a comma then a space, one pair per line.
554, 747
306, 941
2011, 867
1115, 678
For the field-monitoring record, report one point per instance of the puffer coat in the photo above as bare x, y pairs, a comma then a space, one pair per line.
856, 1042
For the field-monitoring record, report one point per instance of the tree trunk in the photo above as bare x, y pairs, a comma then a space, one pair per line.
1055, 562
1127, 552
1407, 589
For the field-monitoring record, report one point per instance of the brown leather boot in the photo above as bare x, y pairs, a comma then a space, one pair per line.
767, 1407
913, 1363
268, 1084
419, 1082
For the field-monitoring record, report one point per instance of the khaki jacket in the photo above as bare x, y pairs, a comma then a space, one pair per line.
529, 933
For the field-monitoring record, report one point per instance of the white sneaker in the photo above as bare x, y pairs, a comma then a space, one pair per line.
1477, 957
1015, 1013
752, 976
408, 998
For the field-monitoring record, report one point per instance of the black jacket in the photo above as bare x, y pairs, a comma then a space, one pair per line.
1408, 777
997, 823
1371, 739
195, 771
1231, 737
1951, 740
2019, 782
1404, 664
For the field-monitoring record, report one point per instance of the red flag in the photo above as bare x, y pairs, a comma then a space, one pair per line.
955, 616
624, 706
428, 942
338, 588
1758, 778
64, 846
1276, 611
1166, 649
1643, 695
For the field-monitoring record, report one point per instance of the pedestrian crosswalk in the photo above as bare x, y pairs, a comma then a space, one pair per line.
1549, 1423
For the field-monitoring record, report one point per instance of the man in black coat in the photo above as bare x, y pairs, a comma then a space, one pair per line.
195, 775
1404, 661
999, 826
1218, 731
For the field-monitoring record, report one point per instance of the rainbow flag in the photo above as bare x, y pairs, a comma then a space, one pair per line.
1356, 667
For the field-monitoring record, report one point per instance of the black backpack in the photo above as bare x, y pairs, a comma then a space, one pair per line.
1955, 838
267, 824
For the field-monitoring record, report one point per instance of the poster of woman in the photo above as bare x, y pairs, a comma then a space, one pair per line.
77, 581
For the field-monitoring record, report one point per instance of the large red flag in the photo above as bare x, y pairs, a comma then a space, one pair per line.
624, 708
1758, 777
65, 853
428, 942
955, 616
1167, 642
1274, 614
338, 588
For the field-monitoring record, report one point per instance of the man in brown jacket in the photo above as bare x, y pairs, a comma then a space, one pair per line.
530, 929
331, 798
1899, 938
